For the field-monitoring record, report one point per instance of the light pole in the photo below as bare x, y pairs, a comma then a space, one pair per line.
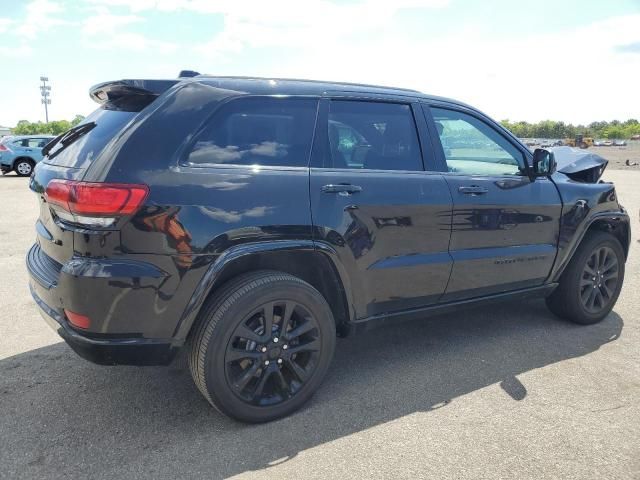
45, 91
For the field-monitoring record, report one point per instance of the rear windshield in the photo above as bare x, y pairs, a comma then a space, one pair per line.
81, 152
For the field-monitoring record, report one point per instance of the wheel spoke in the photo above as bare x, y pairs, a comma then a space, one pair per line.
246, 377
610, 265
300, 330
607, 290
234, 354
245, 332
589, 270
598, 262
300, 372
312, 346
597, 297
586, 281
603, 255
266, 373
268, 319
284, 385
289, 307
590, 298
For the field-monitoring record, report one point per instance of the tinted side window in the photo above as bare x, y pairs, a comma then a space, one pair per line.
266, 131
474, 148
372, 135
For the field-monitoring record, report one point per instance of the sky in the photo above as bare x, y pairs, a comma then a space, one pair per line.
570, 60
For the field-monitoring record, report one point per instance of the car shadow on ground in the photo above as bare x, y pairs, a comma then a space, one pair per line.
64, 416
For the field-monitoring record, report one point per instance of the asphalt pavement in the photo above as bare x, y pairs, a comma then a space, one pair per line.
504, 391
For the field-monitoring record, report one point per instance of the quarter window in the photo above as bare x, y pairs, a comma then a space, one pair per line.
474, 148
267, 131
372, 135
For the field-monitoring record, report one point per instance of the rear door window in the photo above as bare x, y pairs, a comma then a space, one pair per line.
372, 135
266, 131
36, 142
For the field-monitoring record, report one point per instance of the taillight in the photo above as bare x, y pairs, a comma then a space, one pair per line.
3, 148
94, 204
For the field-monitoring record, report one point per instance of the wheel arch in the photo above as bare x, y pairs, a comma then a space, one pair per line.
315, 266
618, 229
616, 223
23, 157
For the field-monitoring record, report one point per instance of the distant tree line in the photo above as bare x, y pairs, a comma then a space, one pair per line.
24, 127
551, 129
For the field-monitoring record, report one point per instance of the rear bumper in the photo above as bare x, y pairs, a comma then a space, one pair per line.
100, 348
107, 351
4, 168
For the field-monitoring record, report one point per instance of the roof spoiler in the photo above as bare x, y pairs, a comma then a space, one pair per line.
110, 91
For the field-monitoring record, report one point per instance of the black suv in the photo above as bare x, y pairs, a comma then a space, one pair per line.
253, 220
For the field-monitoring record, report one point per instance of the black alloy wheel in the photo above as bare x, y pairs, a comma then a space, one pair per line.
599, 279
262, 345
272, 353
590, 285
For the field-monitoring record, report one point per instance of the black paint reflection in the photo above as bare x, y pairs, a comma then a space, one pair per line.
495, 219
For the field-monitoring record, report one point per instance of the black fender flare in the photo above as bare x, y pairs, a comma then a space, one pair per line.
216, 268
612, 217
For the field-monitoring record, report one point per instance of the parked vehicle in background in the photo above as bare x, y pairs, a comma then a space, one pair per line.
21, 153
251, 221
578, 141
607, 143
619, 143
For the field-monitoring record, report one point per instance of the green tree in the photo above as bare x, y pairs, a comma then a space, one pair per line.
76, 120
56, 127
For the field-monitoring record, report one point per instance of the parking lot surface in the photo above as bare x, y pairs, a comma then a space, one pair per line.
505, 391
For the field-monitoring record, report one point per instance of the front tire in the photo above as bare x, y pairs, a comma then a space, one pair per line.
23, 167
262, 346
591, 283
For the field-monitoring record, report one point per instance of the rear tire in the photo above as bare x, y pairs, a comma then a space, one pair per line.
262, 346
591, 283
24, 167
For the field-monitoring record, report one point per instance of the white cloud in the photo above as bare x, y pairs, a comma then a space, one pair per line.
5, 24
298, 24
111, 31
42, 16
135, 42
15, 52
577, 75
104, 22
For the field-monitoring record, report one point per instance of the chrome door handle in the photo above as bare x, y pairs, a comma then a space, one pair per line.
473, 190
341, 188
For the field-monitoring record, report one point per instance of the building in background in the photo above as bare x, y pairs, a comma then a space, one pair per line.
4, 131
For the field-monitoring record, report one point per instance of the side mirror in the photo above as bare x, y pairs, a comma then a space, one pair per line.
544, 163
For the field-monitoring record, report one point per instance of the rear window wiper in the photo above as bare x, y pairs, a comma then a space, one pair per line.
67, 138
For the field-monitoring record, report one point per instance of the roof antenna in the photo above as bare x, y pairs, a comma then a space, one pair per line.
187, 74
